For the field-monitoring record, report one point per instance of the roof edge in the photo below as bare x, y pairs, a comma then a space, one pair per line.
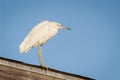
50, 69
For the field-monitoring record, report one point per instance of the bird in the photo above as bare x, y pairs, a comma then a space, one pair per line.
39, 35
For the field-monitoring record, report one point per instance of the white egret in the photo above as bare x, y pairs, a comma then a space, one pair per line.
39, 35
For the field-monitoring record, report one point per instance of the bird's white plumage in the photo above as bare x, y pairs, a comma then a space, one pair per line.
40, 34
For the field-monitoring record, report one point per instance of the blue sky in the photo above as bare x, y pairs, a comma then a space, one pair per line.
91, 48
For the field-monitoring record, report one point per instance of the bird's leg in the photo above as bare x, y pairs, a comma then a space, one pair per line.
40, 56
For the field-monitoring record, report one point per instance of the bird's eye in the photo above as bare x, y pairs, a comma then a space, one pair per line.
58, 24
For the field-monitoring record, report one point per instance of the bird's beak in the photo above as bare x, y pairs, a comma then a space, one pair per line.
66, 28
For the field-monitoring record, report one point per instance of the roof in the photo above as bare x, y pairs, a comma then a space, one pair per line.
52, 73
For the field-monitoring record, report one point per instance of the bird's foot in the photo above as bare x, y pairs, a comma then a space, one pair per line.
44, 67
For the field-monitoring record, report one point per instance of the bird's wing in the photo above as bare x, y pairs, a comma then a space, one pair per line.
40, 25
34, 35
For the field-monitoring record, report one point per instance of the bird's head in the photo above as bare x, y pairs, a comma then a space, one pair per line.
59, 26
